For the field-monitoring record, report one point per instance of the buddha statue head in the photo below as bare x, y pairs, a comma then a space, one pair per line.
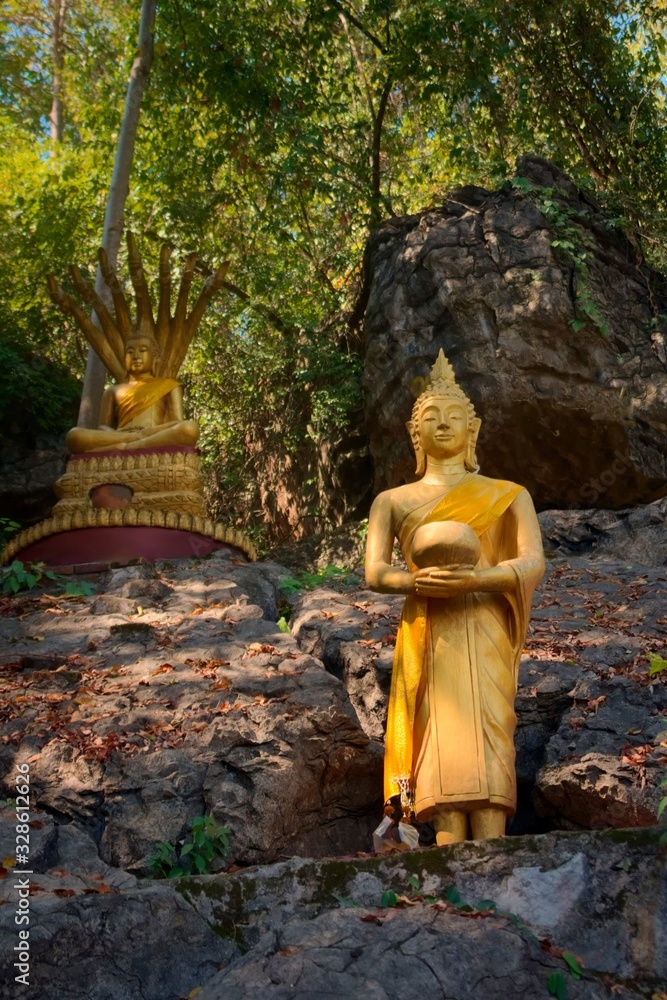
441, 400
141, 355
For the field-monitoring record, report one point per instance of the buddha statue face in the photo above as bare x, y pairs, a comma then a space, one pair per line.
444, 427
140, 356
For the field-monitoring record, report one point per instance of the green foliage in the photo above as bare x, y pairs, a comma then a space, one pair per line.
572, 964
7, 529
453, 896
283, 625
557, 986
388, 898
575, 242
35, 393
19, 576
208, 843
307, 580
656, 664
27, 576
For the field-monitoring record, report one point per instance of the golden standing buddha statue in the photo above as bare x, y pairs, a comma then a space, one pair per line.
474, 554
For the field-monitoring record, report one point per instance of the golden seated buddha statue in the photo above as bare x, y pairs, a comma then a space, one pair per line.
138, 469
146, 411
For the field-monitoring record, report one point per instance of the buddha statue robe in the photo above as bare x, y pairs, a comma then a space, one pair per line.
451, 717
141, 395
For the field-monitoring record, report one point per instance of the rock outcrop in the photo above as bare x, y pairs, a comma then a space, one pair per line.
565, 363
498, 920
174, 693
29, 466
638, 535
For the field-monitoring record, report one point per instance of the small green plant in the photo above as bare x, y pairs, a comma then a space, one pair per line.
282, 624
208, 842
26, 576
574, 241
7, 529
21, 576
657, 664
308, 581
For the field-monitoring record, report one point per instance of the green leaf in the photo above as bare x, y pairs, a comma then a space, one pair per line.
656, 664
557, 986
200, 865
414, 882
572, 964
453, 896
487, 904
388, 898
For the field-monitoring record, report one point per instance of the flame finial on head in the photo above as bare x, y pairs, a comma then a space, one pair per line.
441, 381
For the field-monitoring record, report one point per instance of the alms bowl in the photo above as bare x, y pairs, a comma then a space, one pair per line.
445, 543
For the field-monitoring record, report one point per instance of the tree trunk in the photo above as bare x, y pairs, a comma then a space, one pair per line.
59, 12
94, 378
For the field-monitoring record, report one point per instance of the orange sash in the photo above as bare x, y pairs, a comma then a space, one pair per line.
478, 502
142, 396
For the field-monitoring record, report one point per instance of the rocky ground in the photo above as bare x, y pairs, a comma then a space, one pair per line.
172, 691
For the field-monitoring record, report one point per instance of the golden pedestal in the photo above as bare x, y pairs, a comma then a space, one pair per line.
159, 489
165, 479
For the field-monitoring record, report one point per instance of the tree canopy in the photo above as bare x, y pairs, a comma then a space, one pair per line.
277, 134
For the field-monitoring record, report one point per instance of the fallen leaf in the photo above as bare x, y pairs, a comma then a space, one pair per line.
165, 668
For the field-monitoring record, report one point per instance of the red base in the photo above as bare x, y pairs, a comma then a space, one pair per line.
117, 545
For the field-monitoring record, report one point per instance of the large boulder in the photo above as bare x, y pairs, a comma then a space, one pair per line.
564, 362
638, 535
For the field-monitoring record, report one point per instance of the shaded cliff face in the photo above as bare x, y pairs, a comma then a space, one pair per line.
564, 362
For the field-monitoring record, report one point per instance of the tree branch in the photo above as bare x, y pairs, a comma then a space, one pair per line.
376, 149
357, 23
